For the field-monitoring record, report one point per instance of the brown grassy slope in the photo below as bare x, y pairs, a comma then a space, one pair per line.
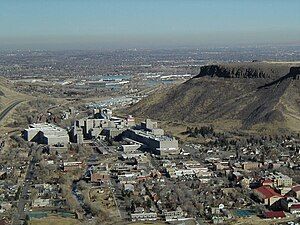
7, 94
250, 95
290, 102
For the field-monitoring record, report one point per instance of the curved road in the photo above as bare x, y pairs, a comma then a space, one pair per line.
8, 109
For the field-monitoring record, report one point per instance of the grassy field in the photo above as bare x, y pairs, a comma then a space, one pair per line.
55, 221
67, 221
147, 223
177, 129
7, 94
7, 97
190, 222
258, 221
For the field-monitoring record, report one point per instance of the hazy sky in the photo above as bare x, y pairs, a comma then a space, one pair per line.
80, 24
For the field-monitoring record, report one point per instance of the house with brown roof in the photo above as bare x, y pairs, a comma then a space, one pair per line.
4, 222
102, 176
274, 214
267, 182
290, 204
295, 192
295, 209
251, 165
3, 175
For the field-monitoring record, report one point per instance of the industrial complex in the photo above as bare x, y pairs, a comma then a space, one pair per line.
103, 125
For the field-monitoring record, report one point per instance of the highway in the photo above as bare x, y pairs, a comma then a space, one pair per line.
8, 109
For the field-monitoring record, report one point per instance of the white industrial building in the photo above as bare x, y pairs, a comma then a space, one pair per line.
45, 133
153, 139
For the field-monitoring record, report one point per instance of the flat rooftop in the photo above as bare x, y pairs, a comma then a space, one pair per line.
152, 136
46, 128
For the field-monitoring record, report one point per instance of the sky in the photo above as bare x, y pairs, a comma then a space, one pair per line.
98, 24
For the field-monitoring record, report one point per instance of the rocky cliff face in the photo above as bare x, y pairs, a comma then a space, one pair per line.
245, 70
250, 94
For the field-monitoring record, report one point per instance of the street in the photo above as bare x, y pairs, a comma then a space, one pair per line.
20, 215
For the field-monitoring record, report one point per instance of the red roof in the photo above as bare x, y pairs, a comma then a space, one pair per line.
296, 188
274, 214
267, 192
267, 181
295, 206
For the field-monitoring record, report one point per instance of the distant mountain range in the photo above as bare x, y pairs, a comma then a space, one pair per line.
257, 95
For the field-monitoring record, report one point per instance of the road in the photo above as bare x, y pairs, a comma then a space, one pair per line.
104, 148
120, 204
115, 190
20, 215
8, 109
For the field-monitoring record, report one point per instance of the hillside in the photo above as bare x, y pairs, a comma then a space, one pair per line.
248, 95
7, 94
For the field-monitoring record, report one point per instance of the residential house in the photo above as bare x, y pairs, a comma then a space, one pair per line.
267, 195
274, 214
290, 204
143, 216
295, 192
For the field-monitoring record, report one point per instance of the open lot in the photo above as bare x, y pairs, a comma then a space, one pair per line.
54, 221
